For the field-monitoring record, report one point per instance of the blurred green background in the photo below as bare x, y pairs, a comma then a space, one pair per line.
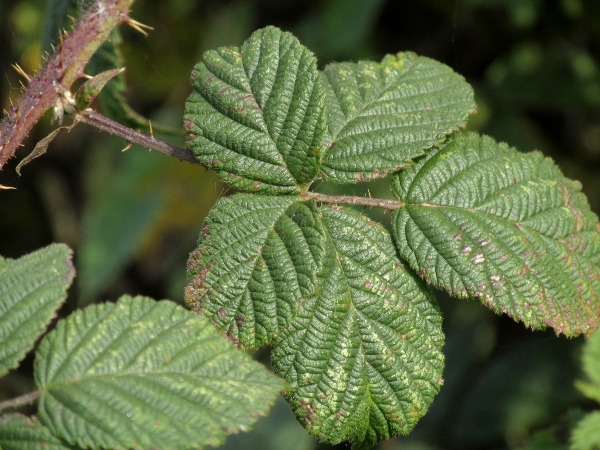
133, 217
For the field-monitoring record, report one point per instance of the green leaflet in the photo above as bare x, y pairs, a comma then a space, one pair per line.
256, 113
90, 89
382, 115
363, 356
361, 366
256, 263
21, 433
32, 288
141, 374
481, 220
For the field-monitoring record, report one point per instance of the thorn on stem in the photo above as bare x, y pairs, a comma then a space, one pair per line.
60, 48
21, 72
140, 27
129, 145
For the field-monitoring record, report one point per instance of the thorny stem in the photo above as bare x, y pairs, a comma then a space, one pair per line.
23, 400
351, 200
97, 120
62, 69
68, 63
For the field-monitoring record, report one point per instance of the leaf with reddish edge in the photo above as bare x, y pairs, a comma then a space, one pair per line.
481, 220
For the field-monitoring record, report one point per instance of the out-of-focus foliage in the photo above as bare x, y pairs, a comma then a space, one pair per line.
534, 65
586, 435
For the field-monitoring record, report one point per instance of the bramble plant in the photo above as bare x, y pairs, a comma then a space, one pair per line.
345, 303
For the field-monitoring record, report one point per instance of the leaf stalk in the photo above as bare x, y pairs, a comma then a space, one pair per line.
352, 200
103, 123
26, 399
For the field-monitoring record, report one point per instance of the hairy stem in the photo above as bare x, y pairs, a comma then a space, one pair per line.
61, 70
23, 400
351, 200
103, 123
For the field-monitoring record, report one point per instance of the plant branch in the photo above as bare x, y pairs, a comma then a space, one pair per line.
23, 400
95, 119
103, 123
65, 65
351, 200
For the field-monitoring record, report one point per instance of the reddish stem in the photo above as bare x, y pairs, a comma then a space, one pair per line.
103, 123
65, 65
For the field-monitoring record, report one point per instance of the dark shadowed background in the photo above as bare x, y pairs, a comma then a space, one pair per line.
133, 217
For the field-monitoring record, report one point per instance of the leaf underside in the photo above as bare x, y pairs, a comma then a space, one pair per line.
382, 115
144, 374
484, 221
256, 113
363, 356
256, 262
32, 288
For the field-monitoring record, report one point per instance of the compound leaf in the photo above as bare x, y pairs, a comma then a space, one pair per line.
382, 115
18, 432
256, 262
256, 113
143, 374
363, 356
481, 220
31, 290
